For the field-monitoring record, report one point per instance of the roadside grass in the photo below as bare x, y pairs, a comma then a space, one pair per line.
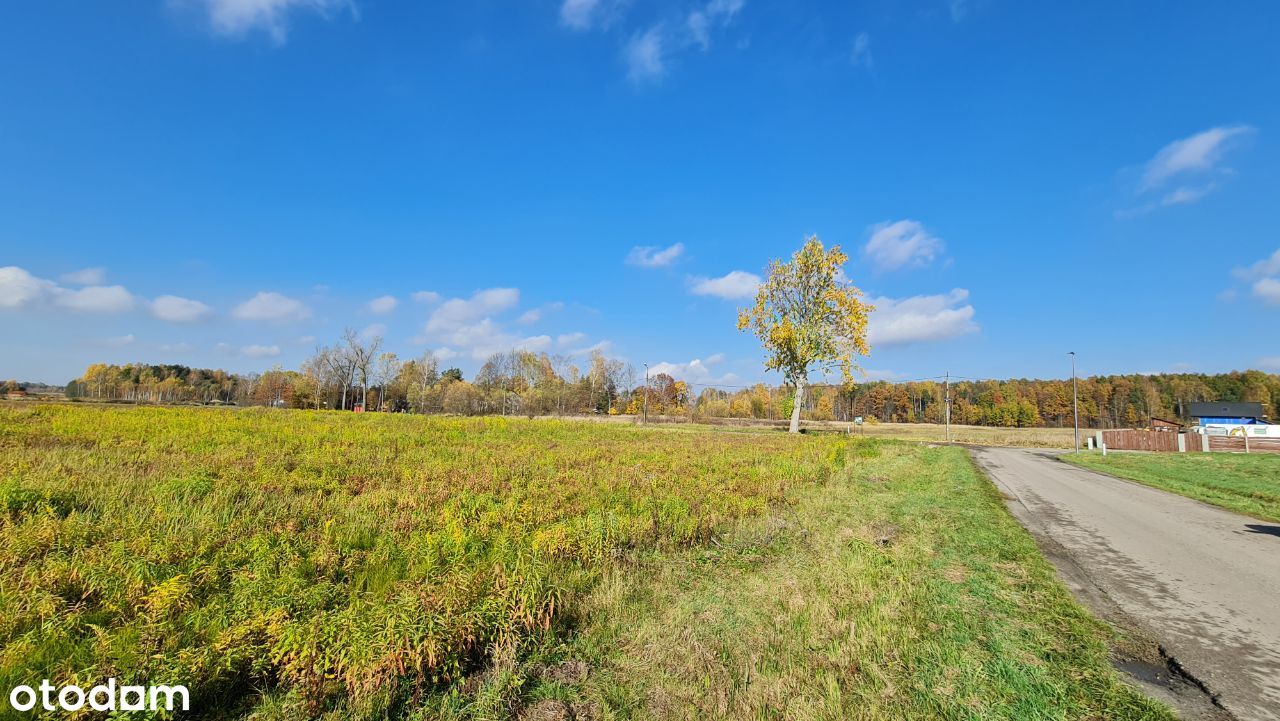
1244, 483
900, 589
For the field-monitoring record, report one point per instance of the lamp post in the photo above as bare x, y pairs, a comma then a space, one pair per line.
1075, 399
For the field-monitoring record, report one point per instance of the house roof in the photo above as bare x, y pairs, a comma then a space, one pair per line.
1227, 410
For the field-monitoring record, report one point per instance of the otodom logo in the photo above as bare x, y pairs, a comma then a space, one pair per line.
107, 696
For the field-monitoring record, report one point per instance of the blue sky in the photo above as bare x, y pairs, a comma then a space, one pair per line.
228, 183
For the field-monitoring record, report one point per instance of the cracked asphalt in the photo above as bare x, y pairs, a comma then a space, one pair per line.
1202, 581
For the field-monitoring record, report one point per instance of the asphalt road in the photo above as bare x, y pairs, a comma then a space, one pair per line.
1203, 581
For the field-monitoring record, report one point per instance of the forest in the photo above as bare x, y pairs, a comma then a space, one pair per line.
357, 374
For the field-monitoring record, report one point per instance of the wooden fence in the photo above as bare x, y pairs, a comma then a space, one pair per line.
1143, 441
1236, 443
1167, 442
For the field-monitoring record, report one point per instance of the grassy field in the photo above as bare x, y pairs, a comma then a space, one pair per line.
1244, 483
298, 565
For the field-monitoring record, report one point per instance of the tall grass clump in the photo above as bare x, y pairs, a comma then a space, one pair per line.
340, 564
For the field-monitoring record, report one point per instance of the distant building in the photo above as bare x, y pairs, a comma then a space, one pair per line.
1164, 424
1228, 414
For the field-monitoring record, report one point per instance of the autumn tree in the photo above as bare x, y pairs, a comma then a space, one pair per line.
808, 318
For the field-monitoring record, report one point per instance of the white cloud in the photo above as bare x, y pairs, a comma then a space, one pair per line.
1268, 289
1263, 268
603, 346
714, 13
860, 56
426, 296
236, 18
695, 371
732, 285
260, 351
271, 306
445, 354
457, 312
178, 310
644, 55
375, 330
1198, 153
578, 14
958, 8
902, 243
85, 276
96, 299
1272, 363
1187, 194
1265, 278
882, 375
569, 338
714, 358
382, 304
652, 256
18, 287
529, 317
466, 325
897, 321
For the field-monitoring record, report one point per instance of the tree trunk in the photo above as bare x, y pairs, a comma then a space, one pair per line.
795, 408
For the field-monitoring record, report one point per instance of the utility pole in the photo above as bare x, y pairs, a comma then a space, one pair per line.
946, 409
644, 418
1075, 399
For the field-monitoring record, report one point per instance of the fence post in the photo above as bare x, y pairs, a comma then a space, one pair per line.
1182, 443
1204, 442
1246, 438
1098, 439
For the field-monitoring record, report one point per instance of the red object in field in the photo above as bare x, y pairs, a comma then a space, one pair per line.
358, 408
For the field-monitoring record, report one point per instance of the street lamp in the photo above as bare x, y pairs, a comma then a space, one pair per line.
1075, 399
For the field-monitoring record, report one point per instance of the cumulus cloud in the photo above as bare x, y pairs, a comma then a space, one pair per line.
921, 318
652, 256
426, 296
19, 288
271, 306
733, 285
96, 299
237, 18
1268, 289
902, 243
467, 325
85, 276
696, 371
1264, 277
644, 54
179, 310
382, 304
457, 312
1266, 267
568, 339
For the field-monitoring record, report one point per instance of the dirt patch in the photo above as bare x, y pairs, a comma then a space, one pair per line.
566, 672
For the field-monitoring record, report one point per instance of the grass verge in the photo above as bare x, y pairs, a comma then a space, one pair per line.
900, 589
1244, 483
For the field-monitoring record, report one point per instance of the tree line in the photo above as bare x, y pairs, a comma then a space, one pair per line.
356, 373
